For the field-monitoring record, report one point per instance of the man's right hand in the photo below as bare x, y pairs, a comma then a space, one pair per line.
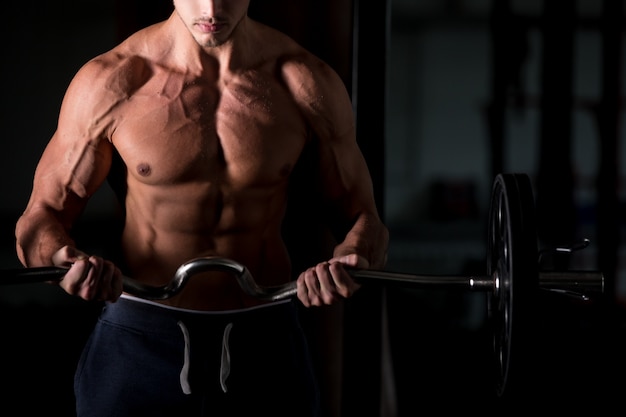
91, 278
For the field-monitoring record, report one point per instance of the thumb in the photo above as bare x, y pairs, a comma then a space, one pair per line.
353, 260
67, 255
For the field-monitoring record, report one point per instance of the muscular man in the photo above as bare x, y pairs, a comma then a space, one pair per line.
203, 117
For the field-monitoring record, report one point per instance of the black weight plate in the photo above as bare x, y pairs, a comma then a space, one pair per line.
512, 260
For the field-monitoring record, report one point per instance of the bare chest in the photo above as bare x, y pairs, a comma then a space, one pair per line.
174, 131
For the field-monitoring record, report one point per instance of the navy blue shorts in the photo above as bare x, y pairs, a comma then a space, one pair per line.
146, 359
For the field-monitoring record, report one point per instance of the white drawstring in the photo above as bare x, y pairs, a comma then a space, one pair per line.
225, 360
225, 366
184, 372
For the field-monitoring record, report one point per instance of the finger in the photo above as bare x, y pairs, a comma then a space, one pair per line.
73, 280
302, 292
302, 288
103, 276
326, 281
314, 293
345, 285
100, 279
91, 285
111, 282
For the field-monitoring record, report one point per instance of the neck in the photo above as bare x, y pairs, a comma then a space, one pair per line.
234, 53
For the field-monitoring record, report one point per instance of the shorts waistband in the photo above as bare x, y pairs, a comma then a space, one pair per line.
201, 312
145, 315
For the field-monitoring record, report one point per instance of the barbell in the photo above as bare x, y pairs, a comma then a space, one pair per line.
512, 280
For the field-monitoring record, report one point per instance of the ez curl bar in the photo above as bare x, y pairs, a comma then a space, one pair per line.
512, 281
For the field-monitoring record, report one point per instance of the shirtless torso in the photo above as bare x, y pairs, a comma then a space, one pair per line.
208, 142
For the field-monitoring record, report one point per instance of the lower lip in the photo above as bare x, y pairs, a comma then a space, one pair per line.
209, 28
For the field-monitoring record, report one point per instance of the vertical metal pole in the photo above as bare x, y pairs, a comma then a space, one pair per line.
556, 218
363, 312
496, 110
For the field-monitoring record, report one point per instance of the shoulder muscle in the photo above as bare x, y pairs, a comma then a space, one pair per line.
320, 93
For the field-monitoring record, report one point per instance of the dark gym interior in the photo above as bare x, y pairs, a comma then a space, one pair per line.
447, 94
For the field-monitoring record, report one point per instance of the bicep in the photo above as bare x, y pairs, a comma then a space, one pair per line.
71, 166
76, 160
343, 168
324, 101
345, 175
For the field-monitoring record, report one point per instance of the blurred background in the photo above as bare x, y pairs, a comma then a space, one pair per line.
447, 94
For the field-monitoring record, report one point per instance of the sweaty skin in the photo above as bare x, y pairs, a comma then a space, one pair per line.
209, 112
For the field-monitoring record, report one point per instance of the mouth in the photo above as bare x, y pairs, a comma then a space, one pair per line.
210, 26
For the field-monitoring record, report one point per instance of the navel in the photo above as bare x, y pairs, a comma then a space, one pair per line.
143, 169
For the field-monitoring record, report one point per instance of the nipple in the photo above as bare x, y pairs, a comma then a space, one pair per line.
143, 169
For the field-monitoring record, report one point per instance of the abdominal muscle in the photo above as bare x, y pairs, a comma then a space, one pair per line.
154, 248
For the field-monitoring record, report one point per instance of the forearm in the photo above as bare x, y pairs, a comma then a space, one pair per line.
39, 234
369, 238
